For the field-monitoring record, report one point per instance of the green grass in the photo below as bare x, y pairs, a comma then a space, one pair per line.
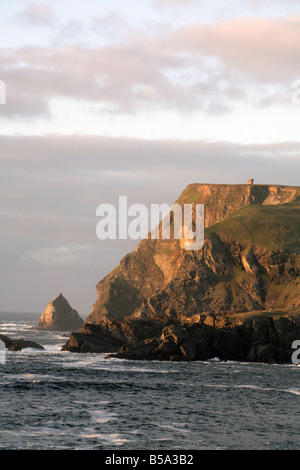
270, 227
267, 313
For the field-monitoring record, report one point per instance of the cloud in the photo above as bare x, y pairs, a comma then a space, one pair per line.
208, 67
37, 14
64, 255
172, 3
259, 47
118, 76
258, 3
111, 19
70, 30
100, 163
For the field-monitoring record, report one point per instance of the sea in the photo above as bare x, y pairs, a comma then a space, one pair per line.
54, 400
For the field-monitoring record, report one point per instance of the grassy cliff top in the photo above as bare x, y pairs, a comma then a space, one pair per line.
235, 194
221, 200
274, 227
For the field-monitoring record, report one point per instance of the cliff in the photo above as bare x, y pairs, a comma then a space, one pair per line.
250, 262
59, 315
259, 223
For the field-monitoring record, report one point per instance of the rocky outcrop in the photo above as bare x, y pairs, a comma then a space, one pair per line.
110, 336
91, 338
59, 315
252, 338
19, 344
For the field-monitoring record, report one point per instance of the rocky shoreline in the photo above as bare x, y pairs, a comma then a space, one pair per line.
250, 338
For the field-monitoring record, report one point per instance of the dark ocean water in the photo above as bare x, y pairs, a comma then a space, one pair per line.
60, 400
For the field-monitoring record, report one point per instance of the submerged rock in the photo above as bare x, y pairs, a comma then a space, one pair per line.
19, 344
59, 315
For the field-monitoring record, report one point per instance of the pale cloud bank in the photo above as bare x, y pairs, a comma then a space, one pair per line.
213, 67
259, 47
173, 3
37, 14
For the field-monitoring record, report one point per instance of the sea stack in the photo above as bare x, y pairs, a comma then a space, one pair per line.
59, 315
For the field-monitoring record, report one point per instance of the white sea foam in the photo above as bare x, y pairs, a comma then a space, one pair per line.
172, 427
30, 351
76, 364
115, 439
105, 364
295, 391
52, 348
14, 327
164, 439
32, 431
33, 377
101, 416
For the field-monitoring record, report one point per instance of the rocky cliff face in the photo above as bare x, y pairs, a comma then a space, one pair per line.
239, 268
250, 261
59, 315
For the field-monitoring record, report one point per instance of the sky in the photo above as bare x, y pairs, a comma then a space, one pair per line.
104, 98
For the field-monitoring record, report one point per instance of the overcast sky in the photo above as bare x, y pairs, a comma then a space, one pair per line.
138, 98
